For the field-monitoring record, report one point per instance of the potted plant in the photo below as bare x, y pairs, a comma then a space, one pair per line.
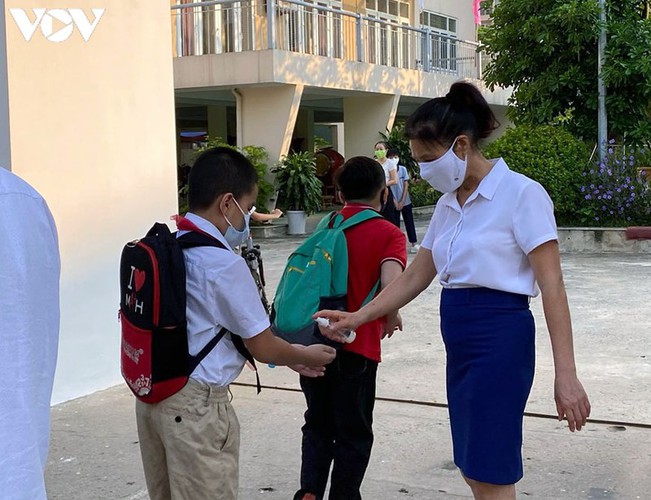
299, 187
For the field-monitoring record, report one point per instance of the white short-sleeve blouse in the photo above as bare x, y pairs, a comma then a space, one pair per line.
485, 243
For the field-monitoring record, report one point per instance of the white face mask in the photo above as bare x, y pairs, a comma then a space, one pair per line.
445, 174
235, 237
392, 162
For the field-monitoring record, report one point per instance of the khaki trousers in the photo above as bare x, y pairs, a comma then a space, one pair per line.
190, 444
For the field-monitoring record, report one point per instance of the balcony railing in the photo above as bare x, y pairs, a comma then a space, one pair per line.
223, 26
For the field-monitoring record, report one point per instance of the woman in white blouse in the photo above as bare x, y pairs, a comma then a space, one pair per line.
492, 241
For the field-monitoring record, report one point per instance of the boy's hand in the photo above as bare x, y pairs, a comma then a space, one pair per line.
393, 323
309, 371
318, 355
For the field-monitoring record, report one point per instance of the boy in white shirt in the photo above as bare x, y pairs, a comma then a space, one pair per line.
190, 441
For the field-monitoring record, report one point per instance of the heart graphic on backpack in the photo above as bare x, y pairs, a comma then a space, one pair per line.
139, 279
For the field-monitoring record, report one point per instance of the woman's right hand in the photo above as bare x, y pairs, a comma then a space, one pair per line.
341, 322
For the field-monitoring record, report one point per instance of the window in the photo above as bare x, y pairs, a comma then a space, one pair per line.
439, 23
443, 48
396, 9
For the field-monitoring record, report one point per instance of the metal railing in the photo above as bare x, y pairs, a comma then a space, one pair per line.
223, 26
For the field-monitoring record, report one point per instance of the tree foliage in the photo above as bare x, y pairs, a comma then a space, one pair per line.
547, 52
550, 155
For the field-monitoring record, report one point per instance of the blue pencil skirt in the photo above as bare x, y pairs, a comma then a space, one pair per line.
489, 337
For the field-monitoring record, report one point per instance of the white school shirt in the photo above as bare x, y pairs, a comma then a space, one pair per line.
388, 167
486, 243
29, 334
220, 292
397, 189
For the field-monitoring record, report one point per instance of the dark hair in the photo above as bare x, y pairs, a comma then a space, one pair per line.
384, 143
393, 152
360, 178
462, 111
218, 171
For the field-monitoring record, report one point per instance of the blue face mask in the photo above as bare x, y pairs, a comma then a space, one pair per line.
235, 237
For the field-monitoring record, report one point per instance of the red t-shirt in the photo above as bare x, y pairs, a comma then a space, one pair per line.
369, 245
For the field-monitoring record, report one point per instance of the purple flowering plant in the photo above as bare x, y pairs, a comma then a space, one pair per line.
615, 192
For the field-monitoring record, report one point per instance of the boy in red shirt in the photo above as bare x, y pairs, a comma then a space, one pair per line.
339, 416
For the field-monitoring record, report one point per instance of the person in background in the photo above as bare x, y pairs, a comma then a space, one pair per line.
390, 168
403, 201
29, 336
265, 218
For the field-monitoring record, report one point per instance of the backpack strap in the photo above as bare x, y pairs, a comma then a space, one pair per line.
326, 221
371, 294
358, 218
199, 357
193, 239
246, 354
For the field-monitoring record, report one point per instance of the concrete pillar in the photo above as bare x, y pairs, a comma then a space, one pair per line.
217, 122
304, 128
365, 116
91, 127
266, 117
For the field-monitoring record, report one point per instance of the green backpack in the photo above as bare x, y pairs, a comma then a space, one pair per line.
315, 278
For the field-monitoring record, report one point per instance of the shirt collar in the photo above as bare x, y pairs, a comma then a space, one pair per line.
353, 204
207, 226
488, 184
486, 188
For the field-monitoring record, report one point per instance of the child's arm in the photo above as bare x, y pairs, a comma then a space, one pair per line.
393, 177
405, 191
389, 271
267, 348
256, 216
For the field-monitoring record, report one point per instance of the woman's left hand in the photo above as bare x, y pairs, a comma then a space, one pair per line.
571, 401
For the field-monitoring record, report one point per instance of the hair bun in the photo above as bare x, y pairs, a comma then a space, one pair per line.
465, 95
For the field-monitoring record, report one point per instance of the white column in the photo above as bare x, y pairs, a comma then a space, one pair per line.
217, 122
365, 116
268, 116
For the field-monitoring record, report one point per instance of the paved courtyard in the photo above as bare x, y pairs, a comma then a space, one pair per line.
94, 451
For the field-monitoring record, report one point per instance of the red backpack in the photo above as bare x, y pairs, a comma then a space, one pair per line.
155, 360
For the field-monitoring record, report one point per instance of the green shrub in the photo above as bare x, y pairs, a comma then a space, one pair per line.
257, 155
550, 155
422, 194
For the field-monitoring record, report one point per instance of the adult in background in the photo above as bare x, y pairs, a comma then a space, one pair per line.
390, 168
492, 241
29, 333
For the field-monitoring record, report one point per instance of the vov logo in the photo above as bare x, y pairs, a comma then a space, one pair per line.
57, 25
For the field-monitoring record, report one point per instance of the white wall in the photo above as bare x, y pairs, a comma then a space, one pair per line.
461, 10
92, 129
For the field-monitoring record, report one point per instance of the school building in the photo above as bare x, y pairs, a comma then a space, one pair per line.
95, 95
